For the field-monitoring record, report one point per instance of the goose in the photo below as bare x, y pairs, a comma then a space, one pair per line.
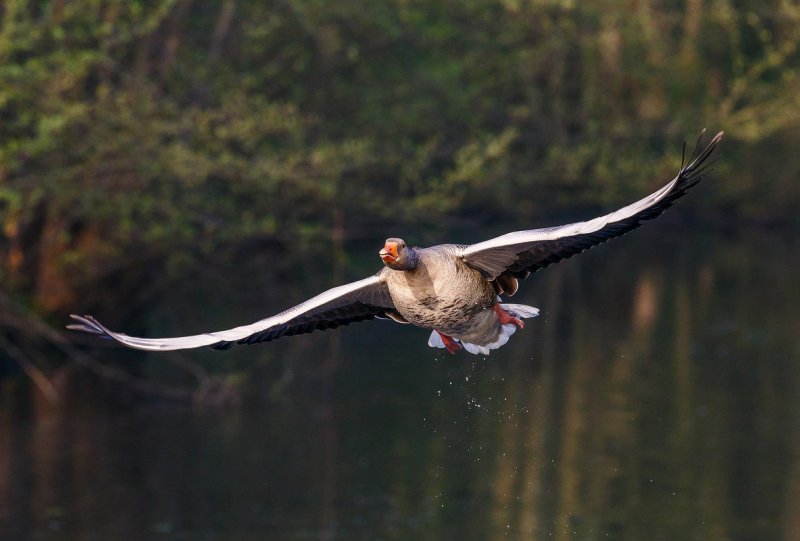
455, 290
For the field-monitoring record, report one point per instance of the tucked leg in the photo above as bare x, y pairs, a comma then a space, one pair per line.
451, 345
506, 317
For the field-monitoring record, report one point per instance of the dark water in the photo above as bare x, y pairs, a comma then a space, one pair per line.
657, 397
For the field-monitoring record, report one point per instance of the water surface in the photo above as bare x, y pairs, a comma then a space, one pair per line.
655, 398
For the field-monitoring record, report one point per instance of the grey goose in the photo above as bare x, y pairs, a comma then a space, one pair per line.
454, 290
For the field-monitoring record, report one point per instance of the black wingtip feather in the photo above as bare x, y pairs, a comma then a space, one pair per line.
697, 143
89, 325
683, 155
86, 324
698, 161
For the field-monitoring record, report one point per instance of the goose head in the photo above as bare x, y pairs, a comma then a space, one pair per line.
399, 256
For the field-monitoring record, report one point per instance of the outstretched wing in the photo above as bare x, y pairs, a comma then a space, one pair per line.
521, 253
358, 301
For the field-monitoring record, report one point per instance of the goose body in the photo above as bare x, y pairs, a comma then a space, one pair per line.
442, 292
454, 290
445, 294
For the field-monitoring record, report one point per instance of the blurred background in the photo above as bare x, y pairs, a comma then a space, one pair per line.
177, 166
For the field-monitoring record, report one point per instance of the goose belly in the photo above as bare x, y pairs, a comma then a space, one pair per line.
451, 300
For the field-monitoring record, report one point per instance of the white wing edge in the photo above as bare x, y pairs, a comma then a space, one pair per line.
90, 325
590, 226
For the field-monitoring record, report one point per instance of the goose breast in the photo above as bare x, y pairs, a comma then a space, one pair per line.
442, 293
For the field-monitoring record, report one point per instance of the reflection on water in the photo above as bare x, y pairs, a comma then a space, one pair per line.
655, 398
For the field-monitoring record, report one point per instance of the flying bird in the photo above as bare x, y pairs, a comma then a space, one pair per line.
455, 290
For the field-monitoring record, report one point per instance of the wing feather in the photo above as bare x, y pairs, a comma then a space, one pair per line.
357, 301
524, 252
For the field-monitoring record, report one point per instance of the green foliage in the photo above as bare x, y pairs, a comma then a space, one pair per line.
162, 129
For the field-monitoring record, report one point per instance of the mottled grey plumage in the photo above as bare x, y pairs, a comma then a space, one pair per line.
445, 294
452, 289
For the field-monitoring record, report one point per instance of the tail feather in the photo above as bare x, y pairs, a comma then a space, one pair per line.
518, 310
475, 349
435, 341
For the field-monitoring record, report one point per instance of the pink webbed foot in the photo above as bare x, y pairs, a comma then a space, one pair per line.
451, 344
506, 317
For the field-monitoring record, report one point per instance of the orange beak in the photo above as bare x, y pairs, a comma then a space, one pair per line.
389, 252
